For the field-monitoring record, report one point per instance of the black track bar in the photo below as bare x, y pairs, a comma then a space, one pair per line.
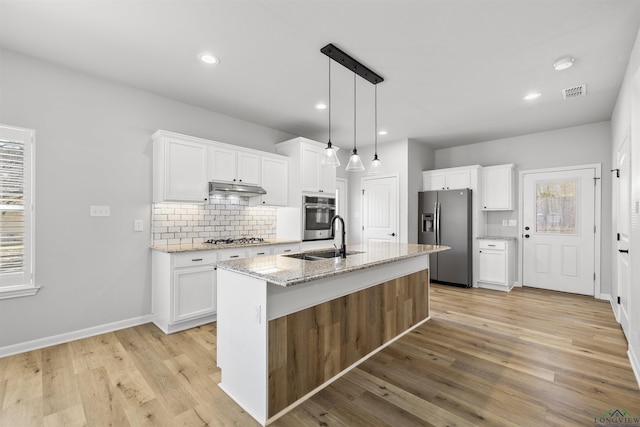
343, 58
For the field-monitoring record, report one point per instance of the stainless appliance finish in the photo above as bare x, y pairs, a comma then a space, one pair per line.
316, 217
445, 219
236, 189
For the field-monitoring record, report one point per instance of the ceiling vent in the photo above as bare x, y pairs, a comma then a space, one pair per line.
574, 92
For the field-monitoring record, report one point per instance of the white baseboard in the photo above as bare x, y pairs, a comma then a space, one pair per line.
10, 350
635, 362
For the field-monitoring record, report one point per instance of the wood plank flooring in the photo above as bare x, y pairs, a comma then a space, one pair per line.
527, 358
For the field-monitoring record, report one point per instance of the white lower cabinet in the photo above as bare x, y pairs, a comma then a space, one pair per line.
184, 285
496, 259
184, 289
194, 293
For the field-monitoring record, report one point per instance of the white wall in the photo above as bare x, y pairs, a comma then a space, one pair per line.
626, 119
421, 158
571, 146
93, 147
407, 159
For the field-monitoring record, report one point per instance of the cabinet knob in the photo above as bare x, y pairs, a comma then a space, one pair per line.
623, 251
526, 236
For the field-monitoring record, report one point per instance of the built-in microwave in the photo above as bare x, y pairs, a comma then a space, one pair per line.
316, 217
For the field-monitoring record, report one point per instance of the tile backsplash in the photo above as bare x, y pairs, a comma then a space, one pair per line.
174, 223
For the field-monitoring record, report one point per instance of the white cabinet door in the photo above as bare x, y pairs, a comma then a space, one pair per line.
458, 179
194, 293
497, 188
185, 166
275, 180
433, 181
222, 164
248, 168
493, 266
310, 169
327, 178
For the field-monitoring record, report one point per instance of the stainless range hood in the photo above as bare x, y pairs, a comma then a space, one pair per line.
235, 189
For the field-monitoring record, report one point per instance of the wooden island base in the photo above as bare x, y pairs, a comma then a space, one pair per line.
310, 347
288, 326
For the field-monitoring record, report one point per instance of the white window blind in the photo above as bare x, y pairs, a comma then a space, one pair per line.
16, 212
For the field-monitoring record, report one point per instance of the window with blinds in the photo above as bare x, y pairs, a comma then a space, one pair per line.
16, 211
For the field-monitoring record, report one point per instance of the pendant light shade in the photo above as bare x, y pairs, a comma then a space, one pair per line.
376, 164
330, 158
355, 163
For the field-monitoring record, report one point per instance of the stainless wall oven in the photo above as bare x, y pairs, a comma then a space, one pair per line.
316, 217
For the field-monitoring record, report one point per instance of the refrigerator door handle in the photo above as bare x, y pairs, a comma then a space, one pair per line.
437, 221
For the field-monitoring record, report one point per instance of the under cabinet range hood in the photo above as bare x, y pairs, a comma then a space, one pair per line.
235, 189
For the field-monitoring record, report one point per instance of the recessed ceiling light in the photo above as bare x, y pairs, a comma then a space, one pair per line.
207, 58
382, 132
321, 106
531, 96
563, 63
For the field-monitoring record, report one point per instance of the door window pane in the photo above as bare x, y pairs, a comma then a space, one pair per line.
556, 206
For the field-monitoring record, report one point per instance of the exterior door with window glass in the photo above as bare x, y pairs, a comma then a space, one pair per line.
559, 230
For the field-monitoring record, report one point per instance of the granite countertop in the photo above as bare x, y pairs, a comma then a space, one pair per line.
287, 271
191, 247
495, 238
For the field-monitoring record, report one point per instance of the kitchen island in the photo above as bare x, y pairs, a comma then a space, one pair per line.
288, 326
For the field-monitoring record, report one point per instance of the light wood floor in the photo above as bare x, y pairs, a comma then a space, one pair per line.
526, 358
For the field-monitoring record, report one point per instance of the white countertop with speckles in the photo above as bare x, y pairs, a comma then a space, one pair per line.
284, 270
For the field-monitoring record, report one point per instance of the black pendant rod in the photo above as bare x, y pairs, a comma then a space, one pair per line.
349, 62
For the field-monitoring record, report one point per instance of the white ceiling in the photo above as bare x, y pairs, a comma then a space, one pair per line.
455, 71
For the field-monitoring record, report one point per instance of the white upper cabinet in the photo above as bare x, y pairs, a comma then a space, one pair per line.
450, 178
275, 180
498, 187
179, 169
230, 165
307, 175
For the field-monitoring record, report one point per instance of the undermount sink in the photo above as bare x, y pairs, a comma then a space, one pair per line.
319, 255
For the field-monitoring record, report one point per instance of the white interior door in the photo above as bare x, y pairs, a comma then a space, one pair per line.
380, 209
559, 230
623, 233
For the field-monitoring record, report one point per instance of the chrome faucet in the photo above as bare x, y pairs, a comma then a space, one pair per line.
343, 247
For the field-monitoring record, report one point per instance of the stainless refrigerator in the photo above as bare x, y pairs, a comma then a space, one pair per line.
445, 219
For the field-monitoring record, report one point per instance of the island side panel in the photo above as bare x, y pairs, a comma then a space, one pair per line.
311, 346
242, 341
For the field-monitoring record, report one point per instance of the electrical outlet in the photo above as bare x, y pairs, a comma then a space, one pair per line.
513, 223
100, 211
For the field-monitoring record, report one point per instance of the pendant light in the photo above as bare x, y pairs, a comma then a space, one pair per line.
330, 157
376, 164
355, 163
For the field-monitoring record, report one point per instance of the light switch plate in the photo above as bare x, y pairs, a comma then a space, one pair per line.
505, 222
100, 211
138, 225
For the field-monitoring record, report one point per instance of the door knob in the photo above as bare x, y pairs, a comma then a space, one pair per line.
392, 234
526, 236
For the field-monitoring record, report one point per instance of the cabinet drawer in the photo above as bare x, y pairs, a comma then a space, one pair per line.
259, 251
232, 254
191, 259
493, 244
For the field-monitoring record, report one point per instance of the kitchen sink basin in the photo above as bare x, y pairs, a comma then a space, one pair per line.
319, 255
